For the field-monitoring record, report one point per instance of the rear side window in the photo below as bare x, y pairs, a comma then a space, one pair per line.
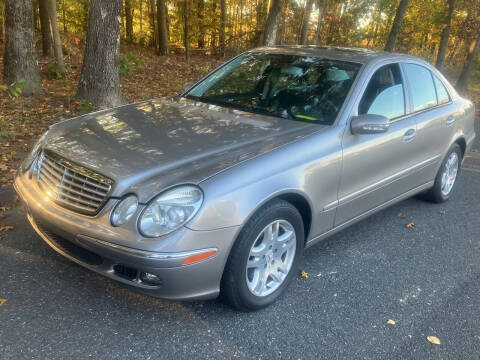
442, 93
384, 93
421, 86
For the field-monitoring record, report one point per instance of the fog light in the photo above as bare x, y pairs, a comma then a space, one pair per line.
150, 279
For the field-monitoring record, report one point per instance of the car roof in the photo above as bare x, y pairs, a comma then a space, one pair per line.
358, 55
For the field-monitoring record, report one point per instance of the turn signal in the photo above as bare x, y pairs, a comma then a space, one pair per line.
199, 257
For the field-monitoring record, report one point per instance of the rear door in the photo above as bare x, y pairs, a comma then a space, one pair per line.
378, 167
435, 114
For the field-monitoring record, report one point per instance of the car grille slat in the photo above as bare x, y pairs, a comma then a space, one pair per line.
85, 180
70, 185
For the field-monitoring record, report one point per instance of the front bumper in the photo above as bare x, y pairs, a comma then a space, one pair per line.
121, 255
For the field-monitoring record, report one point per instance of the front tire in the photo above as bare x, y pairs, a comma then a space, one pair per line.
446, 176
264, 258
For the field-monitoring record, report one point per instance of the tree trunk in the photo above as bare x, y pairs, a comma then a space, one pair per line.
319, 22
223, 21
129, 21
20, 59
140, 5
57, 42
463, 80
442, 49
100, 81
162, 28
397, 25
186, 40
154, 25
2, 22
201, 27
306, 23
213, 39
45, 29
64, 17
273, 20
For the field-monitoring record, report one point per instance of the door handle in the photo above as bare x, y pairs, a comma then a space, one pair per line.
409, 135
450, 120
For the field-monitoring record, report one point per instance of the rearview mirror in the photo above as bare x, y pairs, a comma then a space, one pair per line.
369, 124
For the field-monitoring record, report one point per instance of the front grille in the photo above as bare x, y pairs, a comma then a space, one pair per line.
70, 185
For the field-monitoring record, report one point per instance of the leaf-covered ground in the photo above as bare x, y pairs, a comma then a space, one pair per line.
23, 120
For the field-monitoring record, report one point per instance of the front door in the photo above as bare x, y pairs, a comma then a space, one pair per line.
379, 167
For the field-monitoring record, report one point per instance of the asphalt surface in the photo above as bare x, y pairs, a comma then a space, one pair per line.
425, 278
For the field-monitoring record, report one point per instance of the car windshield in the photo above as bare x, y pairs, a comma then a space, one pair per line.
303, 88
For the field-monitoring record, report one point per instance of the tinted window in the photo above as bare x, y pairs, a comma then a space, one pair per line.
442, 94
303, 88
384, 93
421, 86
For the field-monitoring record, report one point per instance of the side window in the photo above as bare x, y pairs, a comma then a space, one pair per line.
384, 93
421, 86
442, 93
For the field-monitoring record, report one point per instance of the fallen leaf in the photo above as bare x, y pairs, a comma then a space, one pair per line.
434, 340
410, 225
391, 322
304, 274
2, 301
5, 227
442, 212
401, 216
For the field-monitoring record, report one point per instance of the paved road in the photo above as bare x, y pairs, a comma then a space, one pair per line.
426, 278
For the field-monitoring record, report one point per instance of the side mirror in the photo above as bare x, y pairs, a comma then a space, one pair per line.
369, 124
186, 87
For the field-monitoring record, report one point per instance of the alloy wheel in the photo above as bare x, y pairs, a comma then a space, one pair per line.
271, 257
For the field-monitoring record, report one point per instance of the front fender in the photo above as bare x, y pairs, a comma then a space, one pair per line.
310, 167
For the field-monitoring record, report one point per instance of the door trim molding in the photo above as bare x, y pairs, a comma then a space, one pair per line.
386, 181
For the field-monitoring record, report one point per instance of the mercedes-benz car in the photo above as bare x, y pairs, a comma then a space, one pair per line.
217, 191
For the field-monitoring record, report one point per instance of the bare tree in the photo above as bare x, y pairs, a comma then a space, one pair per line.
100, 81
397, 25
20, 59
223, 21
57, 42
462, 82
442, 49
162, 28
186, 38
201, 26
47, 46
129, 21
321, 6
271, 27
306, 22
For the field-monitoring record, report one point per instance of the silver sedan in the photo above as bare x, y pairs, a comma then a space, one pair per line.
219, 190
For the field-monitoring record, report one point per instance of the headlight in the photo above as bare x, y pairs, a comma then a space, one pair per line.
33, 154
124, 210
170, 210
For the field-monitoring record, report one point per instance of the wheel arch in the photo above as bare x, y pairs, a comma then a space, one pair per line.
462, 143
298, 199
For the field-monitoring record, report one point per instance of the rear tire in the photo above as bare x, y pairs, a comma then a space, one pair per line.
446, 177
261, 265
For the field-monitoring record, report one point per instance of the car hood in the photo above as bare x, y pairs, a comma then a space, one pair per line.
149, 146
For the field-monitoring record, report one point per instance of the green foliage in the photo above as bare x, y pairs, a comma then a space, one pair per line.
85, 106
54, 70
15, 89
128, 63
